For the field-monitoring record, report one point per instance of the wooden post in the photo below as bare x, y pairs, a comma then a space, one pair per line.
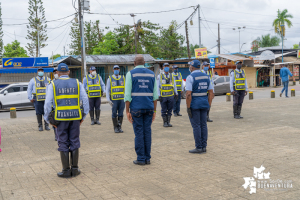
250, 95
293, 93
272, 93
13, 113
228, 97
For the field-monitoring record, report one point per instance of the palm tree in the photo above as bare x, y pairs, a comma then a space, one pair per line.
268, 41
282, 19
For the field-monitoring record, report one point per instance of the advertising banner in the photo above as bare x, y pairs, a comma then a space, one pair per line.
25, 62
201, 53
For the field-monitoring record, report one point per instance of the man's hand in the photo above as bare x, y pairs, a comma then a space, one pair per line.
176, 97
81, 122
160, 98
129, 117
189, 111
154, 115
233, 92
111, 103
181, 93
246, 93
55, 126
32, 100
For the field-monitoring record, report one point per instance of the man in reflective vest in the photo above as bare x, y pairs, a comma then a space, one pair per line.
141, 99
206, 71
36, 93
180, 88
55, 77
198, 102
115, 91
64, 96
167, 92
238, 88
94, 87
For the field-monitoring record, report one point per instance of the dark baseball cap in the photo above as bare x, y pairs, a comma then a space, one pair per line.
195, 63
62, 67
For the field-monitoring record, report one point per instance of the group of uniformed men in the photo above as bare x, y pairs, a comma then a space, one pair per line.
65, 102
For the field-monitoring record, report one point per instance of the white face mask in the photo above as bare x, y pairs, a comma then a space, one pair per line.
94, 73
190, 70
56, 76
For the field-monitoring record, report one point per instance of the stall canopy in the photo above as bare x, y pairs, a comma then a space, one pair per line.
23, 70
232, 57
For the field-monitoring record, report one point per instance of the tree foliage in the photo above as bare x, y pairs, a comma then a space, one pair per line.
282, 19
295, 46
55, 56
268, 41
36, 28
14, 50
108, 46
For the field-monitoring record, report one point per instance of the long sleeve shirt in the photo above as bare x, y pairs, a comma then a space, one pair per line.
128, 86
31, 87
232, 80
108, 87
284, 74
159, 83
101, 83
190, 81
182, 87
211, 79
49, 102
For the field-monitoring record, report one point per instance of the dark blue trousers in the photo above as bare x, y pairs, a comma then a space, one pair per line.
199, 124
95, 103
39, 107
167, 106
68, 135
142, 120
176, 106
118, 108
238, 97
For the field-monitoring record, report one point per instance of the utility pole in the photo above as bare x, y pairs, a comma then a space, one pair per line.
83, 61
187, 40
135, 32
199, 25
64, 51
219, 42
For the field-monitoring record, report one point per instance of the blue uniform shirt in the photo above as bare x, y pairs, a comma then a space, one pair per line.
232, 80
101, 83
31, 87
159, 84
49, 102
284, 74
190, 81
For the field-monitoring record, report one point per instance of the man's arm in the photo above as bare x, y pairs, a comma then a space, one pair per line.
231, 82
155, 93
188, 98
158, 85
174, 85
85, 100
48, 102
128, 87
102, 84
128, 114
84, 83
210, 96
30, 89
108, 90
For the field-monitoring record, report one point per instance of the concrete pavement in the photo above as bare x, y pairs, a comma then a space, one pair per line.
268, 135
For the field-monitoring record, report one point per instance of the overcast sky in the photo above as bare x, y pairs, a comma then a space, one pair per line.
256, 15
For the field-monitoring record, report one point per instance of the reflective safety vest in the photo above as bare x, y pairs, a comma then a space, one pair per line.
240, 80
40, 88
207, 73
94, 86
67, 99
117, 88
199, 91
167, 87
178, 81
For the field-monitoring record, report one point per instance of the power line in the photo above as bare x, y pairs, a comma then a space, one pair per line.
182, 23
60, 42
207, 23
107, 13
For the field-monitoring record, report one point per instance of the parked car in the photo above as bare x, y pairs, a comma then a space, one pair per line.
14, 95
222, 84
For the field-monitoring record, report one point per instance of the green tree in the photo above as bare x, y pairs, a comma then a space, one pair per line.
75, 45
171, 42
108, 46
55, 56
268, 41
282, 19
295, 46
14, 50
1, 35
36, 28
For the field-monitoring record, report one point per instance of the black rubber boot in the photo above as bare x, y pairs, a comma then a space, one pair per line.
169, 119
66, 171
165, 120
74, 162
115, 123
98, 117
235, 112
178, 114
239, 112
120, 121
207, 117
46, 126
40, 122
92, 117
175, 115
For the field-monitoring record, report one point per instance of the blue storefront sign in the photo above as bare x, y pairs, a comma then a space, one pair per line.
25, 62
212, 63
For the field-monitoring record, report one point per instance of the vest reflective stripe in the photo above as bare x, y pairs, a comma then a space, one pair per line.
117, 88
40, 88
199, 94
167, 89
67, 99
240, 80
143, 75
207, 73
178, 81
142, 94
94, 89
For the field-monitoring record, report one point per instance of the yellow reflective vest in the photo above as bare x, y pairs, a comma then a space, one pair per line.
94, 86
240, 80
117, 87
167, 87
40, 88
178, 81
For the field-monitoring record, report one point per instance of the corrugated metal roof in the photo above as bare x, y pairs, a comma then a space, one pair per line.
232, 57
68, 60
116, 59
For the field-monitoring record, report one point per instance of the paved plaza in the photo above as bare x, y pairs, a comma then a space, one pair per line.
268, 135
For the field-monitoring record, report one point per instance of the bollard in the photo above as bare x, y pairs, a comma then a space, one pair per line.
293, 93
272, 93
13, 113
250, 95
228, 97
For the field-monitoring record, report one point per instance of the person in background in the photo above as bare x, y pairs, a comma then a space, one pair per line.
216, 73
115, 90
94, 86
141, 100
180, 88
64, 95
284, 75
206, 71
55, 77
36, 93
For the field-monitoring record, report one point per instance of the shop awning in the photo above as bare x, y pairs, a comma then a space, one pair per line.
259, 66
23, 70
232, 57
